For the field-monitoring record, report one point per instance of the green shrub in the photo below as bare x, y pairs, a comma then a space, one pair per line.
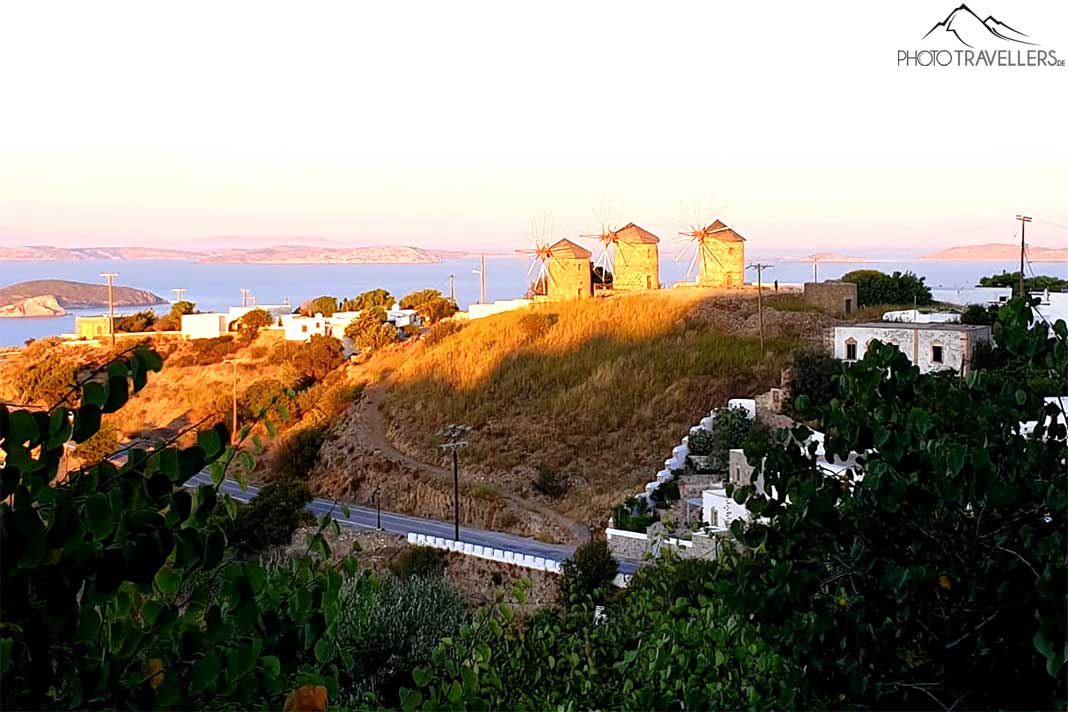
205, 352
419, 561
550, 482
443, 330
700, 442
665, 494
632, 517
979, 314
388, 628
270, 518
1037, 283
589, 572
813, 373
730, 429
875, 287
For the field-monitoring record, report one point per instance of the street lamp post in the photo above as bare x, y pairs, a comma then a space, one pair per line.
453, 434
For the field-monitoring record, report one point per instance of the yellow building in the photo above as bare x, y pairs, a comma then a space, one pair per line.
91, 327
637, 259
570, 276
722, 257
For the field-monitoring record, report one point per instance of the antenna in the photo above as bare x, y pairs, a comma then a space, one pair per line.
760, 267
180, 291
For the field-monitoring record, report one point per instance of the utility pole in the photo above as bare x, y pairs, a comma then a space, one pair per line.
453, 434
1024, 219
452, 288
233, 432
378, 506
180, 291
111, 303
759, 267
482, 278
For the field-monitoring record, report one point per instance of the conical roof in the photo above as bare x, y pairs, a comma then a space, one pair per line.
567, 250
634, 235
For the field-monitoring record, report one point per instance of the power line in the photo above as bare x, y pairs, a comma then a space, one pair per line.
1047, 222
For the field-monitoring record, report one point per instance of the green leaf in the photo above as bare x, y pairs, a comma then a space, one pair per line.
86, 423
168, 580
118, 393
271, 665
208, 440
94, 393
205, 672
22, 428
99, 515
324, 650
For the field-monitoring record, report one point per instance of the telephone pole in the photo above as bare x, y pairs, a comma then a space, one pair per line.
481, 272
180, 291
111, 303
815, 268
1024, 219
453, 434
452, 288
759, 267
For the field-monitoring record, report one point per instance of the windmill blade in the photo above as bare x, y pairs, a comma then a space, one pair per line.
689, 270
711, 254
531, 268
684, 249
620, 255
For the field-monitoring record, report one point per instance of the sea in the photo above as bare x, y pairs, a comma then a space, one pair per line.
214, 286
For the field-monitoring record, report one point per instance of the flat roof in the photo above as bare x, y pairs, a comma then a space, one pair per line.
932, 326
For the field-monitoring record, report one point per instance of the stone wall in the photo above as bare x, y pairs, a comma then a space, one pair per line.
722, 263
916, 342
569, 278
833, 297
637, 266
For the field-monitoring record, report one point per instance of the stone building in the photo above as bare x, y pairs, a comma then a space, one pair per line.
570, 276
932, 347
722, 257
637, 260
91, 327
834, 297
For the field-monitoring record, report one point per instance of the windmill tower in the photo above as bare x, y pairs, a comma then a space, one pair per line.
637, 260
570, 272
718, 251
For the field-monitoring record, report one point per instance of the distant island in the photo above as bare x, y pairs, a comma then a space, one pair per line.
997, 252
825, 257
273, 254
52, 297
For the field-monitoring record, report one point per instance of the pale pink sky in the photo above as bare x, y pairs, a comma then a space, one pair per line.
450, 124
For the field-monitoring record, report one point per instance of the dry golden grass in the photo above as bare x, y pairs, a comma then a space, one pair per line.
597, 390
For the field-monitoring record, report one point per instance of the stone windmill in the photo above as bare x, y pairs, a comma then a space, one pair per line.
718, 250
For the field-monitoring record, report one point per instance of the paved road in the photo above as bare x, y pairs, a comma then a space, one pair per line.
361, 517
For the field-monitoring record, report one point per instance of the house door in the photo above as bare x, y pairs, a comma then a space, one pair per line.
849, 306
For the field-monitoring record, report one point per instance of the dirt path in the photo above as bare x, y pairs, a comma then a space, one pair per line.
374, 428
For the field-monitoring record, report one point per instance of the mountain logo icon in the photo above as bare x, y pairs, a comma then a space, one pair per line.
971, 31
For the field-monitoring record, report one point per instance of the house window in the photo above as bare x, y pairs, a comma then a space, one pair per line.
851, 350
304, 328
936, 354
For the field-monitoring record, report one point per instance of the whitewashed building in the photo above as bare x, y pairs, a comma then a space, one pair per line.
209, 325
931, 347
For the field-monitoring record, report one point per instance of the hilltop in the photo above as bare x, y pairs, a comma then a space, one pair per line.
999, 251
50, 294
225, 252
589, 394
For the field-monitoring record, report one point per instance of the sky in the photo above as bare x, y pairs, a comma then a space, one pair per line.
451, 124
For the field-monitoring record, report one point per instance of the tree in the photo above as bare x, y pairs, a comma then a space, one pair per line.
372, 298
369, 330
320, 355
730, 429
1038, 283
875, 287
589, 571
271, 518
119, 590
324, 305
435, 310
979, 314
943, 567
813, 374
137, 322
422, 296
251, 322
172, 321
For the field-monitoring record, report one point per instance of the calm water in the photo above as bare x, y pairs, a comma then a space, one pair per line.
217, 286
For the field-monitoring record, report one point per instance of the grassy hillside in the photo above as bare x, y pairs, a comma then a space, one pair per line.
77, 294
596, 392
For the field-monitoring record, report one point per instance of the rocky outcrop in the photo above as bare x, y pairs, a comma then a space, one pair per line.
33, 306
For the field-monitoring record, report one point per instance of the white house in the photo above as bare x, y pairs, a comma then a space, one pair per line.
916, 316
1052, 305
298, 327
274, 310
209, 325
983, 296
932, 347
